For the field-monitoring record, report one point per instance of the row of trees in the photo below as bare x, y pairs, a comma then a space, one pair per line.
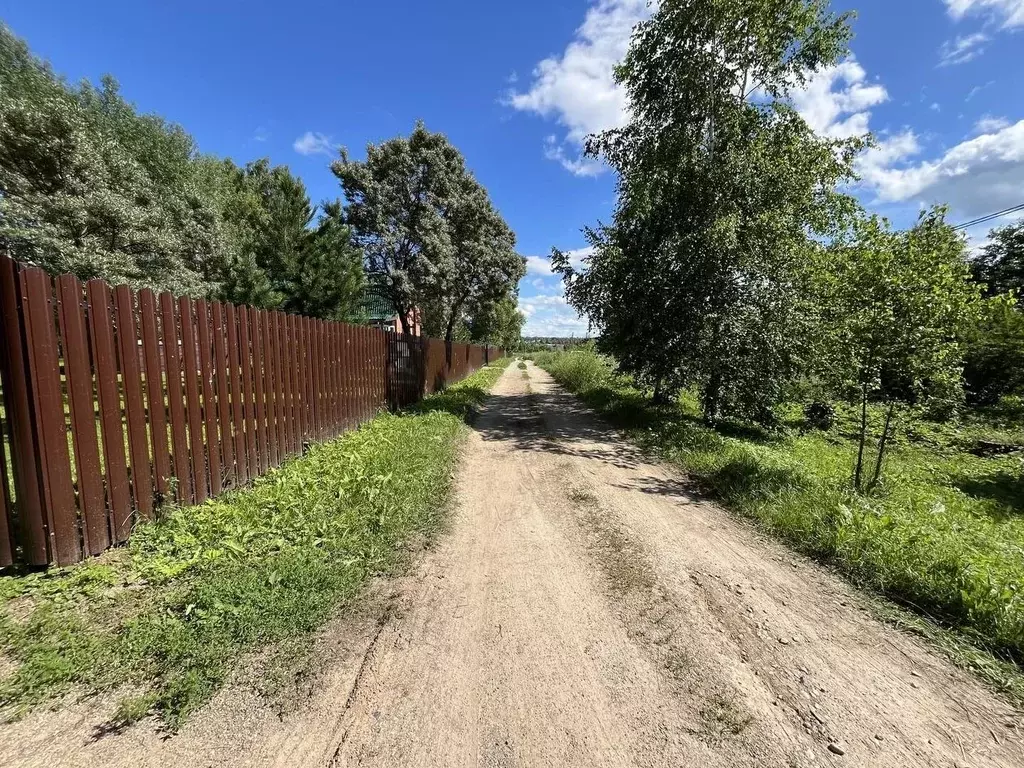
732, 218
90, 186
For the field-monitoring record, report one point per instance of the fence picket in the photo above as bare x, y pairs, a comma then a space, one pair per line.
280, 377
223, 387
194, 408
175, 398
131, 380
245, 352
259, 375
157, 408
321, 379
211, 437
241, 475
17, 386
149, 387
332, 331
346, 367
270, 387
104, 358
294, 357
58, 493
82, 408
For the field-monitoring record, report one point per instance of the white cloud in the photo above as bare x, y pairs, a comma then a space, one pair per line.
530, 305
577, 87
541, 265
1008, 14
311, 143
962, 49
548, 314
836, 101
990, 124
979, 175
876, 162
982, 174
578, 165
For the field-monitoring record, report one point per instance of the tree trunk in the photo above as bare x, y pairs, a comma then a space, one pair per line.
712, 395
863, 438
403, 318
881, 447
449, 335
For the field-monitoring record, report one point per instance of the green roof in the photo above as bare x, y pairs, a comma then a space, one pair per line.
376, 304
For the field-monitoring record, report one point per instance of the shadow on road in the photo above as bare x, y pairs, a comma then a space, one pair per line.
554, 422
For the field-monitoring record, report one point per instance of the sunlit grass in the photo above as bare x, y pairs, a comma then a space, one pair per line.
172, 612
943, 535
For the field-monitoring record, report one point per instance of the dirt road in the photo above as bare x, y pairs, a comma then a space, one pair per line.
585, 611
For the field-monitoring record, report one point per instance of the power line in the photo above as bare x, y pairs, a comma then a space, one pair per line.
989, 217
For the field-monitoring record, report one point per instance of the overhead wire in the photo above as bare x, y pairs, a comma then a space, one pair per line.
989, 217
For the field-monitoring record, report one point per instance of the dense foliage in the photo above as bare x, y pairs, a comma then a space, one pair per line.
90, 186
1000, 265
431, 237
723, 195
891, 307
734, 222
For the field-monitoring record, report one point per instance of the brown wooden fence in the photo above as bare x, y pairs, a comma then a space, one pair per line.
116, 401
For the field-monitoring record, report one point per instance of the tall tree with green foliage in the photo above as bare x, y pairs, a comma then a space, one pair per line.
485, 267
281, 253
994, 351
89, 186
327, 279
723, 193
1000, 265
432, 240
894, 309
499, 324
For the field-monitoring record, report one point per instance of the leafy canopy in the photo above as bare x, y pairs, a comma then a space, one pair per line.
723, 192
430, 236
90, 186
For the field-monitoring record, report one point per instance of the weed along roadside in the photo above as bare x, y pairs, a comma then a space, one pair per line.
926, 539
167, 617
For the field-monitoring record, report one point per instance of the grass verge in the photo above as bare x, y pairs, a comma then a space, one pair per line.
169, 615
943, 535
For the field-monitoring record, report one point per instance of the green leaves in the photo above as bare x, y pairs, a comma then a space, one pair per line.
90, 186
894, 306
724, 194
432, 239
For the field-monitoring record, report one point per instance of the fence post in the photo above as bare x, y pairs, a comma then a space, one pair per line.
58, 493
25, 449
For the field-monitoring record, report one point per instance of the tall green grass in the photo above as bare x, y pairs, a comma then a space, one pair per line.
172, 613
944, 534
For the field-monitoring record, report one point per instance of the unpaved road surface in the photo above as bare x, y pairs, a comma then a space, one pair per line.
584, 610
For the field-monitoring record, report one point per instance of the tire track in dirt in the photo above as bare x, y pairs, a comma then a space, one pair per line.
584, 610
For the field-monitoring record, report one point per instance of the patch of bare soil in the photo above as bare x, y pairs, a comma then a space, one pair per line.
583, 611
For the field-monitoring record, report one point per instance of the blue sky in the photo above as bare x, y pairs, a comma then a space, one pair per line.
516, 86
